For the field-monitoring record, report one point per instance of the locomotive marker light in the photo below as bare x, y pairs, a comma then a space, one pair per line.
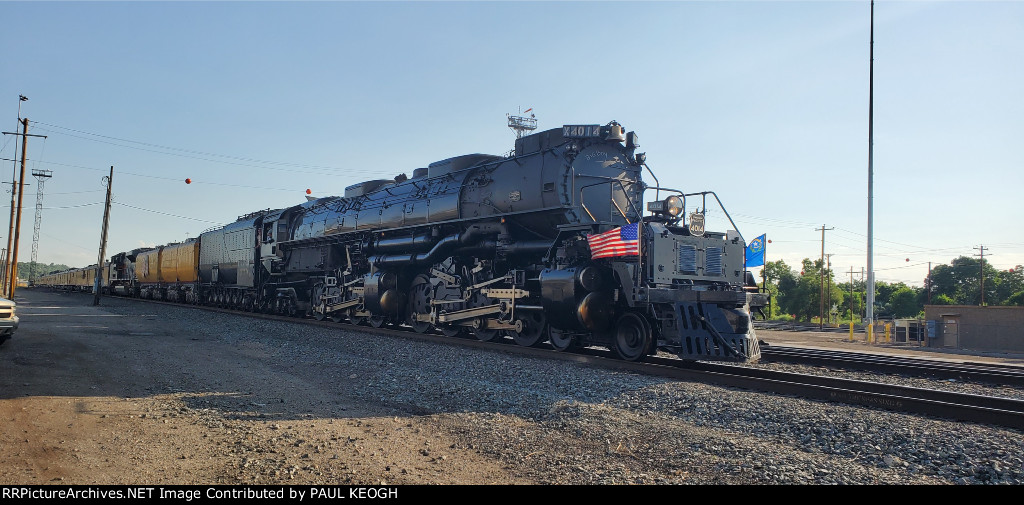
188, 181
309, 191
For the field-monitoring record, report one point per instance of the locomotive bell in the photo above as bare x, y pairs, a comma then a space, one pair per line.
613, 131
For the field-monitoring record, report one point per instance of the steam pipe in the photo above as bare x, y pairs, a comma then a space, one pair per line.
401, 243
442, 247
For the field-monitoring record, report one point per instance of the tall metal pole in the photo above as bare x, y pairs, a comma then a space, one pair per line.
870, 302
17, 225
41, 176
103, 242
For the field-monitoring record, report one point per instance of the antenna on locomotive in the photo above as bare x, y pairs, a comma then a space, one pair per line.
522, 124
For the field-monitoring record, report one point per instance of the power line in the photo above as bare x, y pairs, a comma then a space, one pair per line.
165, 213
148, 176
193, 154
73, 206
65, 241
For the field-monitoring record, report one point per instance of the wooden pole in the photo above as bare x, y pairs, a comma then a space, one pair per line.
98, 283
17, 225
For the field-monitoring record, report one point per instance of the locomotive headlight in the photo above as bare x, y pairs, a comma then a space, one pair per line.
673, 206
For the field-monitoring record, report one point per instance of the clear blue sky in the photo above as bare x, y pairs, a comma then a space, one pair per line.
765, 103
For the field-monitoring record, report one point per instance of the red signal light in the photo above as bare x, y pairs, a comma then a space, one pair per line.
309, 191
188, 181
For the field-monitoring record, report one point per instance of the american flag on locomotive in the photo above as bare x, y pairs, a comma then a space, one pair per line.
622, 241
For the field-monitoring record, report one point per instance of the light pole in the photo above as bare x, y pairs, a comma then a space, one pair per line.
870, 288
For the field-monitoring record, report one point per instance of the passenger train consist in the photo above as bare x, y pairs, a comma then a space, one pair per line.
547, 244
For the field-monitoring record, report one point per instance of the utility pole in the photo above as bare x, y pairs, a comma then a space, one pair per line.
982, 249
865, 292
4, 276
851, 294
929, 283
828, 259
13, 267
41, 176
97, 284
821, 292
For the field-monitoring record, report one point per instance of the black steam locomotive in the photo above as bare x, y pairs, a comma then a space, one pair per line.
547, 244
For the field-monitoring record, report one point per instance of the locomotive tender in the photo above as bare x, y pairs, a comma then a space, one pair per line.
547, 244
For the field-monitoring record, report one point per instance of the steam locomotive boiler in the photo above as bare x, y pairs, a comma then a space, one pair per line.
547, 244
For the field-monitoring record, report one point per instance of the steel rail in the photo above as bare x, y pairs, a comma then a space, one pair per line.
974, 371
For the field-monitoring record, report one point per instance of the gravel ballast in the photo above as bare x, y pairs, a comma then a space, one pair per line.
282, 400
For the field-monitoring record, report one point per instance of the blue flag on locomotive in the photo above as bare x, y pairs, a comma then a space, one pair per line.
622, 241
755, 252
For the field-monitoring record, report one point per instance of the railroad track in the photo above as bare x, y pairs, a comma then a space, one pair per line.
994, 373
944, 404
794, 326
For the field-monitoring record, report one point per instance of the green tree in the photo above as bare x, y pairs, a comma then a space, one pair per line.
903, 302
961, 281
780, 279
1016, 299
898, 300
1007, 284
25, 270
801, 295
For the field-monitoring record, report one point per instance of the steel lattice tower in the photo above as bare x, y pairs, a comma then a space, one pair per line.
41, 175
522, 124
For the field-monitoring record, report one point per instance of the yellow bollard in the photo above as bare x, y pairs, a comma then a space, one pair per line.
888, 333
851, 330
870, 334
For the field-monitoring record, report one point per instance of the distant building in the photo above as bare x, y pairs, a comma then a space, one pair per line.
994, 329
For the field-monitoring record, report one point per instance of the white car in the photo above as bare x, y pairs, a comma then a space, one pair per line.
8, 319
